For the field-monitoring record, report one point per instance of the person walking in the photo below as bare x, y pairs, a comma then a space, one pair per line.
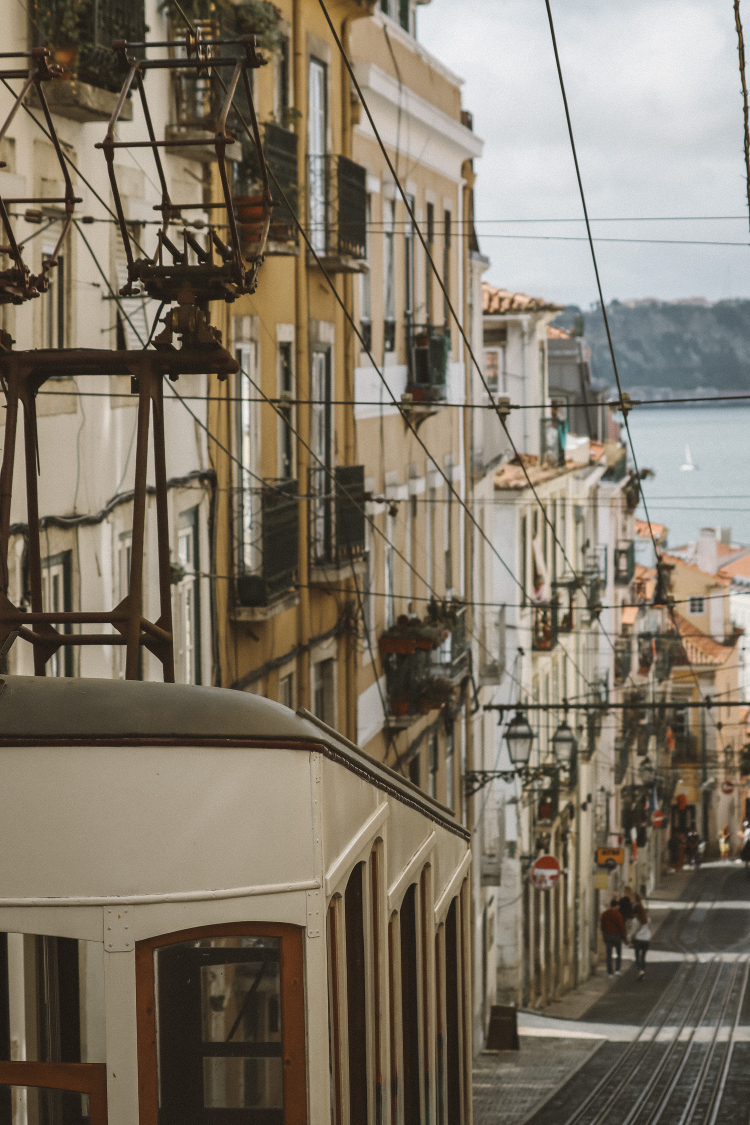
641, 935
625, 906
614, 934
725, 841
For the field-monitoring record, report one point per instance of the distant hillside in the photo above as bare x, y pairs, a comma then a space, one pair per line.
675, 346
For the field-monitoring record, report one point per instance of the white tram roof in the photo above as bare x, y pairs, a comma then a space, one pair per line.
59, 710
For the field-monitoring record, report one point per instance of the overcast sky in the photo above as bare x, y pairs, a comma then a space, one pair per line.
654, 93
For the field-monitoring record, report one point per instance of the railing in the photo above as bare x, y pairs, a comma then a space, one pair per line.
428, 352
544, 627
622, 759
338, 207
279, 514
337, 516
624, 563
623, 658
451, 658
685, 748
280, 149
80, 36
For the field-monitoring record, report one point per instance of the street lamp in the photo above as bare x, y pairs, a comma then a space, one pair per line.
520, 737
564, 744
647, 771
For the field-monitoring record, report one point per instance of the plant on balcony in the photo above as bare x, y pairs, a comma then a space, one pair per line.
443, 616
245, 17
407, 635
436, 691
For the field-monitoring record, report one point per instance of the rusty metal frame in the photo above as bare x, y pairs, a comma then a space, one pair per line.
21, 375
203, 279
18, 284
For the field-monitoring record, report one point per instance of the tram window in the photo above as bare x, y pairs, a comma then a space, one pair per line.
356, 994
376, 947
453, 1016
219, 1028
410, 1007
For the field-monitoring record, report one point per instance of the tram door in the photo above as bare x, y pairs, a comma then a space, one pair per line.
220, 1016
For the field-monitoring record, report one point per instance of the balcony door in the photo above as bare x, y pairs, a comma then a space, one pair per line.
317, 144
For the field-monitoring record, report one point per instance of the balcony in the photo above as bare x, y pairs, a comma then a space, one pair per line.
337, 523
623, 658
414, 684
624, 562
428, 353
280, 150
270, 588
80, 38
337, 190
544, 626
451, 658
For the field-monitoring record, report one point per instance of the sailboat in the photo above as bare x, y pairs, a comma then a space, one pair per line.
688, 466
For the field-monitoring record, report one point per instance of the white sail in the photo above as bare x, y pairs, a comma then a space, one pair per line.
688, 466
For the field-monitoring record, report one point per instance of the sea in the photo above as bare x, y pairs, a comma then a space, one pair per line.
716, 492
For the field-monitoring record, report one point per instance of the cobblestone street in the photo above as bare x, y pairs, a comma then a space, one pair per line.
510, 1085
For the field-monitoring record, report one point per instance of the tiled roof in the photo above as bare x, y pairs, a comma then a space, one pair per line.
557, 333
511, 475
700, 648
500, 301
642, 531
675, 560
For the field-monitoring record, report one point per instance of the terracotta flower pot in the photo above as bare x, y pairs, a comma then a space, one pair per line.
399, 706
405, 646
387, 644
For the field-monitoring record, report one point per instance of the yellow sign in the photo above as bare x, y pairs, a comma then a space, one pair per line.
601, 881
604, 854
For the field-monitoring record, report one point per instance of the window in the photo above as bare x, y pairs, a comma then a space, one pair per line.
286, 394
453, 1012
434, 759
54, 301
389, 275
411, 532
409, 261
323, 691
317, 141
697, 606
390, 577
427, 264
431, 509
56, 598
187, 599
404, 13
410, 1005
524, 558
281, 85
446, 265
247, 446
286, 690
450, 774
229, 1008
492, 370
365, 290
356, 994
320, 419
449, 526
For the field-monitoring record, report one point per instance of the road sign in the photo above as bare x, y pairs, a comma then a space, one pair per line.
727, 788
657, 818
545, 872
617, 855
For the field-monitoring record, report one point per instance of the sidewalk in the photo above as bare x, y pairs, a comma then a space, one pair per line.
511, 1085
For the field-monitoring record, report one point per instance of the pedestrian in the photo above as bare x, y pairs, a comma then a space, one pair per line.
673, 844
681, 848
614, 934
725, 841
641, 935
625, 905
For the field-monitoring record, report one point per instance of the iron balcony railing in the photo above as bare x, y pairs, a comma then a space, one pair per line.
624, 562
451, 658
428, 353
623, 658
280, 150
337, 190
337, 515
80, 36
279, 534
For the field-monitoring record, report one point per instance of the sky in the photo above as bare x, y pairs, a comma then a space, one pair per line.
654, 93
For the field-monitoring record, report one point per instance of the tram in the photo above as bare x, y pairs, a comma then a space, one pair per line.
215, 911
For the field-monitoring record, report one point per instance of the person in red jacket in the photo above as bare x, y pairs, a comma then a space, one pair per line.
614, 934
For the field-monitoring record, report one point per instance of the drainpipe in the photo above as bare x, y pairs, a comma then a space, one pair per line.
577, 883
302, 349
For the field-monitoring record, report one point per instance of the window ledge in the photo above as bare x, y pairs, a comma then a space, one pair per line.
338, 264
334, 575
80, 102
286, 601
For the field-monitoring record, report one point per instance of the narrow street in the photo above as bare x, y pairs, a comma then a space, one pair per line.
673, 1049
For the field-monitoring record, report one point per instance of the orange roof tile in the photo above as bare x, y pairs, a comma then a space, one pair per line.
642, 531
511, 475
554, 333
699, 647
740, 568
674, 560
500, 301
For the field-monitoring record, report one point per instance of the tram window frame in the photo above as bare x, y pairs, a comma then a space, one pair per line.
409, 958
293, 1039
453, 1012
356, 994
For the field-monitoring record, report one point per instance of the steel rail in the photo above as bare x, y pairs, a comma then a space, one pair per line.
709, 1118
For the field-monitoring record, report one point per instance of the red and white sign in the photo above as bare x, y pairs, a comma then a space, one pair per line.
727, 788
657, 818
545, 872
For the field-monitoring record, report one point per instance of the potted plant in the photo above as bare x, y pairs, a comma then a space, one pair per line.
436, 691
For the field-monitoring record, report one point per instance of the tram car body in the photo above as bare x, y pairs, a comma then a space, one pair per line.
215, 911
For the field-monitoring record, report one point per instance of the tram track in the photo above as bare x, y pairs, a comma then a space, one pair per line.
676, 1071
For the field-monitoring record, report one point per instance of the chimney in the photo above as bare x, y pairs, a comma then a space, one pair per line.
725, 536
706, 550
